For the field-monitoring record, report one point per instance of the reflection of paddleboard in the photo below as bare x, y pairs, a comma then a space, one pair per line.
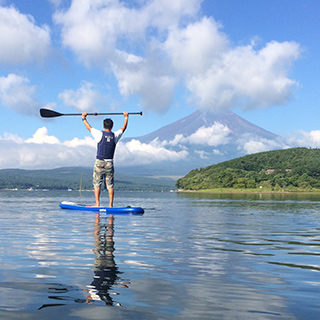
113, 210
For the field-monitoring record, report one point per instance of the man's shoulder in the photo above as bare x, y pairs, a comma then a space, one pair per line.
118, 133
97, 134
95, 130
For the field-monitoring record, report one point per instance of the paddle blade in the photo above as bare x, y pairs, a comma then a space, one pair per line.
46, 113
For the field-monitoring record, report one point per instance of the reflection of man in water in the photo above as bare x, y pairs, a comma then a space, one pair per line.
105, 270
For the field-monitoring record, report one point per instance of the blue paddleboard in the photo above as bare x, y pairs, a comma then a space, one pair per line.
113, 210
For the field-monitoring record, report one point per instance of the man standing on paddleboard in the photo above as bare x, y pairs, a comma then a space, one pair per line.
106, 144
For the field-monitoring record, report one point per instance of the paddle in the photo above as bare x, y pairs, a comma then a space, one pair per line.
46, 113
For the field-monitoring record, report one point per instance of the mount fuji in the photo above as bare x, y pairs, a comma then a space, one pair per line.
199, 140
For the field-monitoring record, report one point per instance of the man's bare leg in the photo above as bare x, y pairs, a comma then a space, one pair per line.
111, 194
97, 196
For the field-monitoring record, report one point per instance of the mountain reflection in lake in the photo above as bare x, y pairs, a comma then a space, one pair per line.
206, 256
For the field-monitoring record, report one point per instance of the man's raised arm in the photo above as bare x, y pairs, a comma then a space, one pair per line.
125, 124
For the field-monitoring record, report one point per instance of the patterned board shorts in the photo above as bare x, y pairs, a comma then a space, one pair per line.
103, 171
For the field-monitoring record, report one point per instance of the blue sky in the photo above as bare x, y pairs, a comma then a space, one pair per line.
167, 59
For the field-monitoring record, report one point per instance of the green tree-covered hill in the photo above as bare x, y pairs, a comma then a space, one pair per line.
290, 170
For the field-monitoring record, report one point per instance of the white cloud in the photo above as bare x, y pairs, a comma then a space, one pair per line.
76, 142
167, 13
21, 40
177, 140
145, 77
217, 75
306, 139
43, 151
252, 145
143, 153
154, 46
56, 3
92, 28
94, 32
202, 154
17, 94
215, 135
221, 77
85, 98
217, 152
46, 151
41, 136
11, 137
195, 48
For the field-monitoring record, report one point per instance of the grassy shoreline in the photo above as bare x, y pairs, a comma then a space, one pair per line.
257, 191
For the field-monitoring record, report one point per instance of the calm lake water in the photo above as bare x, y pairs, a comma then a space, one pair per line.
190, 256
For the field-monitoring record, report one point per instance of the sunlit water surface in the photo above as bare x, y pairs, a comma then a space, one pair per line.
190, 256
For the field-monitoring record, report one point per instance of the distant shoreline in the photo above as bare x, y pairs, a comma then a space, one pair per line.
239, 191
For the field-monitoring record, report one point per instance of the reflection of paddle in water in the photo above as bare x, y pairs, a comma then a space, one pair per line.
105, 269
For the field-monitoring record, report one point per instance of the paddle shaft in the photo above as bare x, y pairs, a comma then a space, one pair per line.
46, 113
